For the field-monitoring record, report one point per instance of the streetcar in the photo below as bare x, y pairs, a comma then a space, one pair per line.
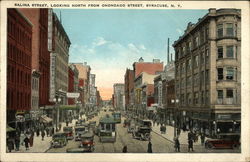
107, 129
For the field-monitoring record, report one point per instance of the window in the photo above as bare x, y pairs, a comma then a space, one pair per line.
188, 81
183, 50
196, 98
202, 97
189, 46
220, 52
183, 68
196, 62
220, 94
229, 29
230, 52
188, 98
230, 73
189, 65
202, 78
207, 56
202, 57
202, 36
220, 30
207, 76
196, 41
207, 97
220, 73
230, 93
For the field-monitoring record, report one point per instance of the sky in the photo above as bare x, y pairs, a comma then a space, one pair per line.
111, 40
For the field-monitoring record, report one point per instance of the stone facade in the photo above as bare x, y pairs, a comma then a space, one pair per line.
208, 63
59, 61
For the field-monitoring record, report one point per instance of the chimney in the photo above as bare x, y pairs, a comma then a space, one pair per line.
168, 51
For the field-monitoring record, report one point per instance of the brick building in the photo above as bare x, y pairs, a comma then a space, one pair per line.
40, 58
208, 73
19, 55
129, 87
71, 101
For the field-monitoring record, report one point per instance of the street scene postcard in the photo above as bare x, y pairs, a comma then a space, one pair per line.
125, 81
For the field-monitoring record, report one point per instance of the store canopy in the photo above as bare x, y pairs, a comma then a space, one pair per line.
45, 119
68, 107
10, 129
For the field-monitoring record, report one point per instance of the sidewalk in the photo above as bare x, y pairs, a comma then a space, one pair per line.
183, 138
39, 146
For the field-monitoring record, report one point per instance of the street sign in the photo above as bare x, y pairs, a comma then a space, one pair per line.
73, 95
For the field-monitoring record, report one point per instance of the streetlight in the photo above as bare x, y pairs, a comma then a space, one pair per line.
175, 120
57, 100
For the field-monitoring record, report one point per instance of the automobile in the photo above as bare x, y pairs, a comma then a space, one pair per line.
141, 133
69, 132
87, 142
92, 126
126, 123
80, 130
145, 123
59, 140
222, 143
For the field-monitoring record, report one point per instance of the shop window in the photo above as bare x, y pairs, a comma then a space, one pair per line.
220, 52
230, 52
220, 30
220, 73
230, 73
229, 29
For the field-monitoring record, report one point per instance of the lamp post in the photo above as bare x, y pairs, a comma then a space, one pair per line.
57, 100
175, 101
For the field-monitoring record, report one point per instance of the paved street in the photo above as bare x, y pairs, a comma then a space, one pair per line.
160, 144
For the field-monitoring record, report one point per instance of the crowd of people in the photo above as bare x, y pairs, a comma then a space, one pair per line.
25, 138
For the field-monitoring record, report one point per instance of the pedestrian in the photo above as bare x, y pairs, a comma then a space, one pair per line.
53, 131
184, 128
47, 131
178, 131
17, 142
150, 147
125, 150
31, 139
26, 142
37, 132
67, 123
43, 134
10, 144
177, 144
60, 126
202, 138
190, 145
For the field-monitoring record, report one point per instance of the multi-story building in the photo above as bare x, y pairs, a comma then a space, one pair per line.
19, 69
151, 68
168, 94
208, 73
129, 86
40, 57
73, 84
59, 61
144, 79
119, 98
71, 101
92, 90
84, 77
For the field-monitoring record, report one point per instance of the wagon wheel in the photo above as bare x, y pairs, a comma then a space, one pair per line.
147, 136
209, 145
235, 146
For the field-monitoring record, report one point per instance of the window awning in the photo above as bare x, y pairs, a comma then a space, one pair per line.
68, 107
10, 129
45, 119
